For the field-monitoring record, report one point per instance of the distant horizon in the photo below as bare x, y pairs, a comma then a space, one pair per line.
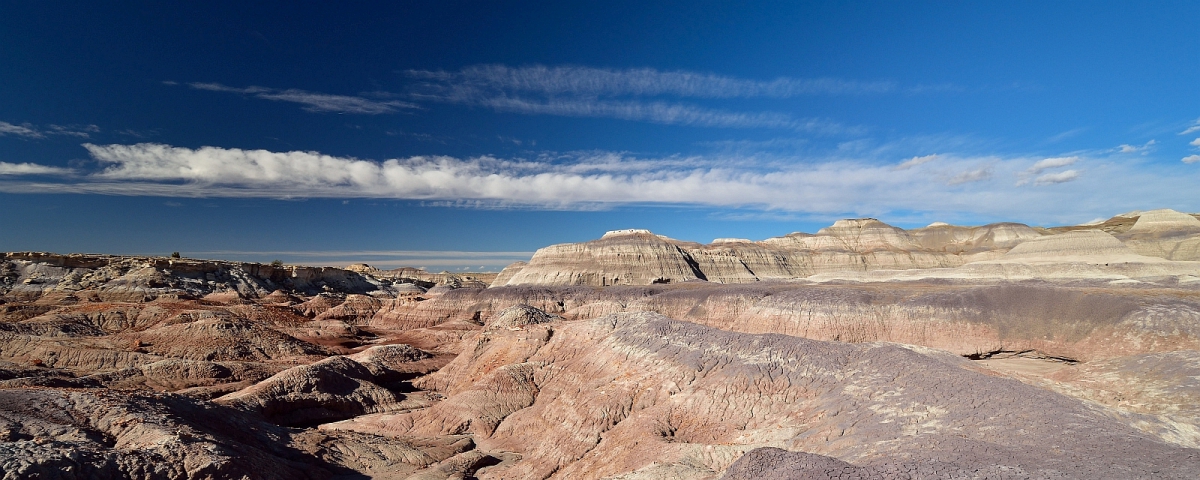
438, 261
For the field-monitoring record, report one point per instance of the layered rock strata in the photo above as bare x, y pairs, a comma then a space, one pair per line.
1165, 233
638, 257
118, 278
852, 249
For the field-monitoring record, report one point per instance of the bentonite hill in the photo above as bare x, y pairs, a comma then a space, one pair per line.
861, 351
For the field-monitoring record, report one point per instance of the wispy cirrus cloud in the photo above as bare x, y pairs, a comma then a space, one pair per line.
1193, 128
590, 180
1065, 135
311, 101
28, 130
633, 94
912, 162
1050, 163
630, 94
1060, 177
640, 82
1034, 172
25, 130
31, 169
1142, 149
78, 131
662, 113
970, 176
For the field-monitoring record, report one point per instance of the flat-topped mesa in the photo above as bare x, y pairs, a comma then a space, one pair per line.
361, 268
134, 278
627, 231
620, 257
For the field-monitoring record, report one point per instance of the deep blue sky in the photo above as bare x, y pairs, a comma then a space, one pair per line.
503, 127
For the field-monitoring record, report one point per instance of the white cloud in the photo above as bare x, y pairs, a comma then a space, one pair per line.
595, 180
313, 102
1191, 159
81, 131
28, 130
1142, 149
320, 102
1065, 135
969, 176
1195, 143
30, 169
1049, 163
24, 130
1027, 176
1195, 127
639, 82
912, 162
1060, 177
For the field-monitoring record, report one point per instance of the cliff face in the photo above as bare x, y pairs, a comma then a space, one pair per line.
638, 257
745, 261
867, 249
623, 258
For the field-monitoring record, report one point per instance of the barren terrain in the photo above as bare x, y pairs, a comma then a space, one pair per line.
861, 351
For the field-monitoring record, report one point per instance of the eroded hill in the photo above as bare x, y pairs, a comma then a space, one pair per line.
874, 352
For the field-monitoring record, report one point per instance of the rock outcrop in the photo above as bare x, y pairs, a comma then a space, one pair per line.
1165, 233
121, 278
635, 257
331, 389
508, 273
1081, 245
639, 257
979, 242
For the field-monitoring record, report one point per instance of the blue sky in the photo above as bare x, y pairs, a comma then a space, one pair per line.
456, 135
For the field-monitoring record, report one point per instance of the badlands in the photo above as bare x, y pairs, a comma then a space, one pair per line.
861, 351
